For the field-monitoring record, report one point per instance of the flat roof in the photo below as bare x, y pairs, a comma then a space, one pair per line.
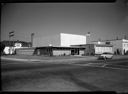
104, 45
109, 40
94, 44
58, 47
73, 34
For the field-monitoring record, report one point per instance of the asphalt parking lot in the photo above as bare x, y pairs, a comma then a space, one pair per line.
80, 75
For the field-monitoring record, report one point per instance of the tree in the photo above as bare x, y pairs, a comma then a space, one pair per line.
2, 46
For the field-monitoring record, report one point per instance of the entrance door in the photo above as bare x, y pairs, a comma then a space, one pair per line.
38, 51
73, 52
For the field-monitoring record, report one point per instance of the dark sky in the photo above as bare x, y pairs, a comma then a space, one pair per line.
102, 20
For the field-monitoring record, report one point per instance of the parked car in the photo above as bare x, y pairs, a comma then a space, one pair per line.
106, 55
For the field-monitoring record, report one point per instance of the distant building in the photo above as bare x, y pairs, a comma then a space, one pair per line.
10, 46
94, 49
59, 40
120, 46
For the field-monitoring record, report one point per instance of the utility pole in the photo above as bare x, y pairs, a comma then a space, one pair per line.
32, 36
117, 38
88, 38
125, 37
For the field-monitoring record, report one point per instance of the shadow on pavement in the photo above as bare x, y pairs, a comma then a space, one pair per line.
83, 84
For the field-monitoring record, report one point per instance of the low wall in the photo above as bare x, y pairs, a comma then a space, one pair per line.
25, 51
61, 52
81, 52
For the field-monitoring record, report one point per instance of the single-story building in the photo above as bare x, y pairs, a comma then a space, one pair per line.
94, 49
87, 49
51, 51
120, 46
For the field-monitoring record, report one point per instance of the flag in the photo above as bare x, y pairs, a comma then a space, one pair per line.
32, 34
88, 34
11, 33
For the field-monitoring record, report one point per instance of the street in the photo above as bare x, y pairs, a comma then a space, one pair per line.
39, 76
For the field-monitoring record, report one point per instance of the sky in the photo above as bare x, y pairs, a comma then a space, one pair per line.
103, 20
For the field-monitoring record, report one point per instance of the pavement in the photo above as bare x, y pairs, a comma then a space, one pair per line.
24, 73
62, 77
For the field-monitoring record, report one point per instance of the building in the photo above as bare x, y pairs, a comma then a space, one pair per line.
55, 45
59, 40
25, 51
64, 44
51, 51
94, 49
10, 46
120, 46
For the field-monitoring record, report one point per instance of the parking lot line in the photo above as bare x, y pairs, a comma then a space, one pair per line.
116, 68
100, 66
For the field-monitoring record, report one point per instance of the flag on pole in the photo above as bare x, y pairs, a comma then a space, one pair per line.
11, 33
32, 34
88, 34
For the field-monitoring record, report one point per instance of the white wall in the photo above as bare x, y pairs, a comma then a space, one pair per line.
124, 45
61, 52
25, 51
117, 44
71, 39
81, 52
100, 50
61, 39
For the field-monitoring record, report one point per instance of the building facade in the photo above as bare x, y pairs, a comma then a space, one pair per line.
71, 39
51, 51
59, 40
25, 51
10, 46
120, 46
94, 49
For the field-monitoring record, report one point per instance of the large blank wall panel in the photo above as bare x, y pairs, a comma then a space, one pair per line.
71, 39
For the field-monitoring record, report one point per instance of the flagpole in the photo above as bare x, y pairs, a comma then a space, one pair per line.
13, 43
9, 44
10, 35
32, 36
